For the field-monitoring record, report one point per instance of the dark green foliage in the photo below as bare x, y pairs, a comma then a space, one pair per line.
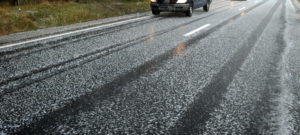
32, 2
31, 16
25, 2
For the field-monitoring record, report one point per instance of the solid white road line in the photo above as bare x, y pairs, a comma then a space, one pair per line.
242, 8
72, 32
196, 30
289, 1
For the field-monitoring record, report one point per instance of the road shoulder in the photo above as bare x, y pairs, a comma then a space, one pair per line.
296, 4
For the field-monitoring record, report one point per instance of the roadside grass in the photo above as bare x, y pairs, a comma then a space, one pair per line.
46, 14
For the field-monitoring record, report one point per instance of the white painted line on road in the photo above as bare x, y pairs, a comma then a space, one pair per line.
196, 30
242, 8
289, 1
258, 1
72, 32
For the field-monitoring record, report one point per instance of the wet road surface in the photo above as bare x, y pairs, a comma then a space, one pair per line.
233, 70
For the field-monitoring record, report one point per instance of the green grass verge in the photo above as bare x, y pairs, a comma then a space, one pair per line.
44, 15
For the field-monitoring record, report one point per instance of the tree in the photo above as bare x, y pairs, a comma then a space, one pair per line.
17, 2
14, 2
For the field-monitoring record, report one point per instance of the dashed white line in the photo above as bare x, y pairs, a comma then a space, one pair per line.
289, 1
72, 32
196, 30
242, 8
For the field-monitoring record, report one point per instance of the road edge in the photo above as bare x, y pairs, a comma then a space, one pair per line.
296, 4
27, 35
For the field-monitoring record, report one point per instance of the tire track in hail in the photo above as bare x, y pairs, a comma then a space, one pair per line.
40, 46
57, 68
86, 102
267, 103
198, 112
58, 43
80, 37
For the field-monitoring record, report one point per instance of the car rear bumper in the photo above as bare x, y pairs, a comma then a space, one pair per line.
170, 7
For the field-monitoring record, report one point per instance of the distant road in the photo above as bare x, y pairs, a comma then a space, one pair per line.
232, 70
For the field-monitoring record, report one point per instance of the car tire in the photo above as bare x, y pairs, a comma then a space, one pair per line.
189, 13
206, 7
155, 12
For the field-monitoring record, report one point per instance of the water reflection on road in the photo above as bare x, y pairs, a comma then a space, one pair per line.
181, 48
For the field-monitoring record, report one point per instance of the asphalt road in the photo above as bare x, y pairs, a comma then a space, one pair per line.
233, 70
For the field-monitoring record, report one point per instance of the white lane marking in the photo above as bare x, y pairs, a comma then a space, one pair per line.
289, 1
257, 1
72, 32
242, 8
196, 30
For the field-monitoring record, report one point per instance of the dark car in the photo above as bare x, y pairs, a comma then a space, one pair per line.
186, 6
